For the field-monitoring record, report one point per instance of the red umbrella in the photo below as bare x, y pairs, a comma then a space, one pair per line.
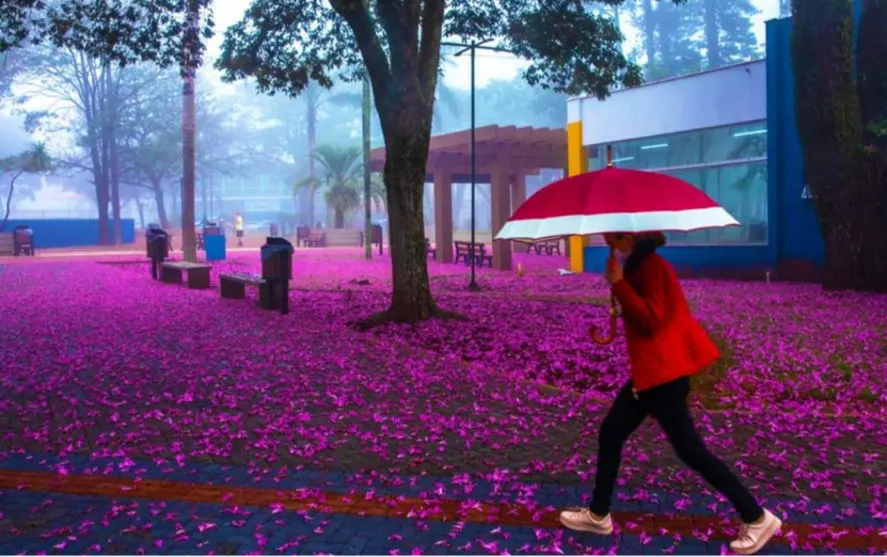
613, 200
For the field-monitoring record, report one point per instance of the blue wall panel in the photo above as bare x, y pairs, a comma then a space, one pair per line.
702, 260
796, 232
65, 233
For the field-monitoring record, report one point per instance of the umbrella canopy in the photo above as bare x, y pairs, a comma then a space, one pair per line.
614, 200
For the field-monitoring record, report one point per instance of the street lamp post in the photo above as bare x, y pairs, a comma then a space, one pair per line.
472, 48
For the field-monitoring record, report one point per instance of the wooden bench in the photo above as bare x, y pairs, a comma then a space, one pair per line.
341, 237
315, 239
7, 244
479, 254
548, 247
430, 250
197, 273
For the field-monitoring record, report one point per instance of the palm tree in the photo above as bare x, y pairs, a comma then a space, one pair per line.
35, 160
341, 170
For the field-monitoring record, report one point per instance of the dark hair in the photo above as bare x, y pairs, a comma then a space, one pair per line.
646, 245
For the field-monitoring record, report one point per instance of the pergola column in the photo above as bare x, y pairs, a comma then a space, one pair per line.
443, 215
518, 196
500, 196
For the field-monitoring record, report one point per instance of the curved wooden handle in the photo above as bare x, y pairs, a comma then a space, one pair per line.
611, 336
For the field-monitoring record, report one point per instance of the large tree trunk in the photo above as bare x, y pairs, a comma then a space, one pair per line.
404, 174
846, 187
189, 143
338, 218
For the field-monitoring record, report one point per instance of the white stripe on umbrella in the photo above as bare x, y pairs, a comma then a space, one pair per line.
534, 230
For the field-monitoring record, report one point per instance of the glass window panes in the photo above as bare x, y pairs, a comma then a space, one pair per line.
728, 163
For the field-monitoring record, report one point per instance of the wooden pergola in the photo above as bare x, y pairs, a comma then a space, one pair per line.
505, 156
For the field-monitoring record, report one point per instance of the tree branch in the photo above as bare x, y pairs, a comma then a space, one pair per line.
358, 18
429, 51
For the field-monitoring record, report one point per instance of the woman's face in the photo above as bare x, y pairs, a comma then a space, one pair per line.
622, 243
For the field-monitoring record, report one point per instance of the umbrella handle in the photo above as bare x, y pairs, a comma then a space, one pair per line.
603, 340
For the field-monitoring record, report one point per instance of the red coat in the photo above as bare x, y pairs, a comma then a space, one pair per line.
665, 342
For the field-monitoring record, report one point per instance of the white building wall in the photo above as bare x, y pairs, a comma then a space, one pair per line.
721, 97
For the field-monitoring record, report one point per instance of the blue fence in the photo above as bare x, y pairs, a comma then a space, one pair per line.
66, 233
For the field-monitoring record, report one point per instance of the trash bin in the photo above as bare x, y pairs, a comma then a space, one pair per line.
214, 246
156, 248
277, 270
22, 240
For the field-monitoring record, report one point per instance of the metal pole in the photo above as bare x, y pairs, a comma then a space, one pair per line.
367, 179
473, 286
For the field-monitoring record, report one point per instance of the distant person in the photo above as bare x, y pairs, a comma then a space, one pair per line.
238, 229
666, 345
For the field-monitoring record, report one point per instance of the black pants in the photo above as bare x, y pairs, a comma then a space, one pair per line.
668, 405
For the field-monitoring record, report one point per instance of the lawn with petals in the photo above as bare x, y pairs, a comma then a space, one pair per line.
101, 361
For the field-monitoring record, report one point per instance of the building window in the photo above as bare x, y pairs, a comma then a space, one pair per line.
729, 164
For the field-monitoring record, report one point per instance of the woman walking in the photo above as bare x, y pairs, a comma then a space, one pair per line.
666, 346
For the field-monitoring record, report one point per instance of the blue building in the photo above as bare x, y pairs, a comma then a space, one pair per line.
732, 133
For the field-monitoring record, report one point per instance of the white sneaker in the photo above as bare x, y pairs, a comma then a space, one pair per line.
752, 537
582, 520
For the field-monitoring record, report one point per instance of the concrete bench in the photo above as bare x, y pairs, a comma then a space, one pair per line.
197, 273
7, 244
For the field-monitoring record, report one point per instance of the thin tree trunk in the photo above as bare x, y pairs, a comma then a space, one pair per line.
9, 200
141, 209
160, 201
712, 42
308, 196
650, 32
112, 115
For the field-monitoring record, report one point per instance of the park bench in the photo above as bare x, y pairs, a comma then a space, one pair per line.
341, 237
430, 250
233, 286
7, 244
548, 247
197, 273
315, 239
479, 254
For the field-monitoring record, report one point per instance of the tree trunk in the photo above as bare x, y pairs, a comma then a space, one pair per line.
407, 155
338, 218
308, 194
161, 206
9, 201
846, 187
650, 32
712, 32
141, 209
189, 144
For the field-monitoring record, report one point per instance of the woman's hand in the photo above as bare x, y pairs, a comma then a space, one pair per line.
613, 272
